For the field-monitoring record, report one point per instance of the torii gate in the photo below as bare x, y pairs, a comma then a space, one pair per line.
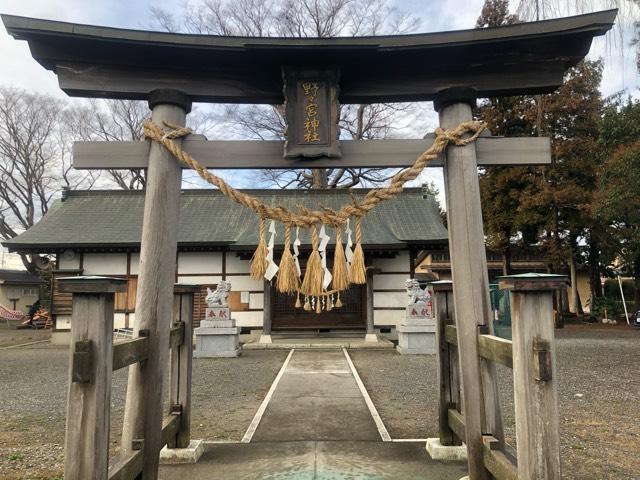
170, 71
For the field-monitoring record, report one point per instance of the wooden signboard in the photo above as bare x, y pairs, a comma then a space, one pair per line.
311, 109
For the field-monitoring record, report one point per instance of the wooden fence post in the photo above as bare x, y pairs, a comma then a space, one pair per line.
143, 414
534, 373
446, 357
86, 450
181, 358
481, 409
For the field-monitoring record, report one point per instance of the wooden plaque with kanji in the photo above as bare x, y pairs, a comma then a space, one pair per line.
311, 109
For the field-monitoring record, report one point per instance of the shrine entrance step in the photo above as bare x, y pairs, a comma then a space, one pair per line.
302, 342
310, 460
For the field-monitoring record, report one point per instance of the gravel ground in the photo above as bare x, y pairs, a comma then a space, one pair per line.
598, 384
226, 394
10, 336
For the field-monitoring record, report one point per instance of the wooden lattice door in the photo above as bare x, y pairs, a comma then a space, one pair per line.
352, 314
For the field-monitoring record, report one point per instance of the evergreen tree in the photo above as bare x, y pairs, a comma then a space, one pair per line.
617, 202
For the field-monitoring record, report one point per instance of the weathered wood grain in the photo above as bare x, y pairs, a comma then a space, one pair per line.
446, 392
128, 352
176, 335
170, 427
248, 154
181, 357
154, 301
89, 401
536, 401
456, 423
496, 349
126, 466
501, 465
471, 289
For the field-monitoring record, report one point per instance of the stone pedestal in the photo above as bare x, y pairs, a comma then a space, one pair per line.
217, 337
191, 454
417, 332
437, 451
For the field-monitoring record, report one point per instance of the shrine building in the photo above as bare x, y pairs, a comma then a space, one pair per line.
98, 233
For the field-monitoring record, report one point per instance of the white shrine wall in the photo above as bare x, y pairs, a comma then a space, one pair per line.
208, 268
389, 294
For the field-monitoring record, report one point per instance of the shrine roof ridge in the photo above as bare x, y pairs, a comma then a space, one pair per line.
108, 62
208, 219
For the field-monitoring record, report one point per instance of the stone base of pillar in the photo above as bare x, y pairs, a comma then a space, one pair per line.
437, 451
191, 454
265, 339
371, 337
217, 338
417, 337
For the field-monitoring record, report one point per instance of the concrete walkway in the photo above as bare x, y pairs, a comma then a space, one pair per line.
317, 398
317, 425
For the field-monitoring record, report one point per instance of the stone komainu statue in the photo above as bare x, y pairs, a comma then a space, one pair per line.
218, 298
415, 293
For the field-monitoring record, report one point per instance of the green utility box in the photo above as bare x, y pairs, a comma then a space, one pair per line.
501, 309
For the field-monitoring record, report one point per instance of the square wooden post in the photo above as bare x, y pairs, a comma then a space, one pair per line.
181, 359
86, 450
154, 299
447, 361
481, 409
370, 335
534, 373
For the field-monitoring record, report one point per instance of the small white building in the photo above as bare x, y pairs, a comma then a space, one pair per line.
98, 233
19, 289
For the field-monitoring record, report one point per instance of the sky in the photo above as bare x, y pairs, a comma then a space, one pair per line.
19, 69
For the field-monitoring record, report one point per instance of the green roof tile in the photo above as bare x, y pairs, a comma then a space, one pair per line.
105, 218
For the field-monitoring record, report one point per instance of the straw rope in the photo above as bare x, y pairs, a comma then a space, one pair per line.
463, 134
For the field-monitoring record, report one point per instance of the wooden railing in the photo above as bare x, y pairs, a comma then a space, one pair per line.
93, 359
531, 355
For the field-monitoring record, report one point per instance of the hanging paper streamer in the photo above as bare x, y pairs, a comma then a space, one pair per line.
296, 251
324, 241
348, 250
272, 268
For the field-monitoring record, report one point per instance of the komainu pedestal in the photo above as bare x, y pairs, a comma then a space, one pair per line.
217, 335
417, 331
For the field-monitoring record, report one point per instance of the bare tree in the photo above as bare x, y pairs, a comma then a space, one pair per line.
117, 121
300, 18
625, 32
34, 160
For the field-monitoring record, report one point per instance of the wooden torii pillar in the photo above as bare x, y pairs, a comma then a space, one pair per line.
156, 277
480, 405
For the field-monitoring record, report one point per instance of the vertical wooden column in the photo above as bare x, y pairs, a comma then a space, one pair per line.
267, 311
371, 330
181, 359
446, 358
86, 450
154, 301
470, 280
534, 373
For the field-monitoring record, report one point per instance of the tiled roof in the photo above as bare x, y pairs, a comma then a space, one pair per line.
101, 218
18, 276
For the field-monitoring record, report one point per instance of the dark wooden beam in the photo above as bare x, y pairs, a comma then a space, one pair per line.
236, 154
525, 58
